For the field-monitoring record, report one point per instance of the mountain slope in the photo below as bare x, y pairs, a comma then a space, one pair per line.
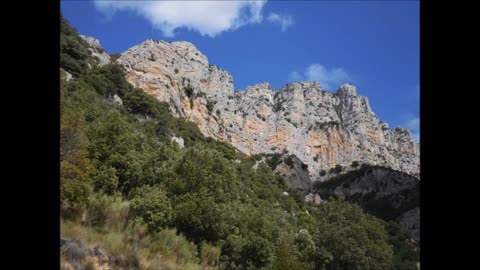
321, 128
134, 195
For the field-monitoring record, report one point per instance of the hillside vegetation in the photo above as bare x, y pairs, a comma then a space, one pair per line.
139, 200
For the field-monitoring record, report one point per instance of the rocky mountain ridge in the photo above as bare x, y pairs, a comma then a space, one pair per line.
321, 128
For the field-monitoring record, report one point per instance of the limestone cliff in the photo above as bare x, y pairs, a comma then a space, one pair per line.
323, 129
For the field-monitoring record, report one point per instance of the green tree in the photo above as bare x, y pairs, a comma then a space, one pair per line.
205, 171
74, 55
75, 167
347, 238
406, 250
305, 245
106, 180
247, 252
199, 218
287, 257
139, 102
152, 207
115, 144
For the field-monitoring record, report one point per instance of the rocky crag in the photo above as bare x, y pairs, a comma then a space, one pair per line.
320, 128
97, 50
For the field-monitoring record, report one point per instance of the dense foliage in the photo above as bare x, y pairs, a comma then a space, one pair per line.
126, 187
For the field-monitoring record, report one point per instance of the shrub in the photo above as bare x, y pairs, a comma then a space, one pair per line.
199, 218
152, 206
106, 180
74, 54
210, 105
289, 161
209, 255
76, 168
274, 160
355, 164
175, 70
347, 238
114, 57
286, 257
323, 172
247, 252
201, 94
98, 210
324, 125
188, 130
188, 91
338, 168
172, 246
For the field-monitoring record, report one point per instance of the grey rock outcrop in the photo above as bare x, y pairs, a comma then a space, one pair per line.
322, 129
117, 100
97, 50
179, 140
68, 76
309, 197
411, 221
77, 255
317, 199
295, 172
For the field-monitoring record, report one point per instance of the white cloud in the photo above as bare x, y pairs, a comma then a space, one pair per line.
413, 123
285, 21
209, 18
295, 77
328, 78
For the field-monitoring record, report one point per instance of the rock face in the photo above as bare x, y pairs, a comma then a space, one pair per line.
383, 192
411, 221
179, 140
323, 129
313, 198
97, 50
76, 255
295, 172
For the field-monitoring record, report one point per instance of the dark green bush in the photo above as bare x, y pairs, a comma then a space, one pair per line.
152, 206
210, 105
188, 91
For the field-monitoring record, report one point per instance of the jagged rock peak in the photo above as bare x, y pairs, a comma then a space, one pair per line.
97, 50
347, 90
303, 84
183, 49
258, 86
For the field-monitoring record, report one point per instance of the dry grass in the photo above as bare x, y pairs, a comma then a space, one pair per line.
165, 250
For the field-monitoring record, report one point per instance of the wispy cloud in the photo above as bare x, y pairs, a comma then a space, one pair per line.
328, 78
285, 21
413, 123
209, 18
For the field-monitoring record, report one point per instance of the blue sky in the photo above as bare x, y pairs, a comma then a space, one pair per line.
374, 45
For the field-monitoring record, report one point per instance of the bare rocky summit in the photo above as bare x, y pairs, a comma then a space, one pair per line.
322, 129
97, 50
